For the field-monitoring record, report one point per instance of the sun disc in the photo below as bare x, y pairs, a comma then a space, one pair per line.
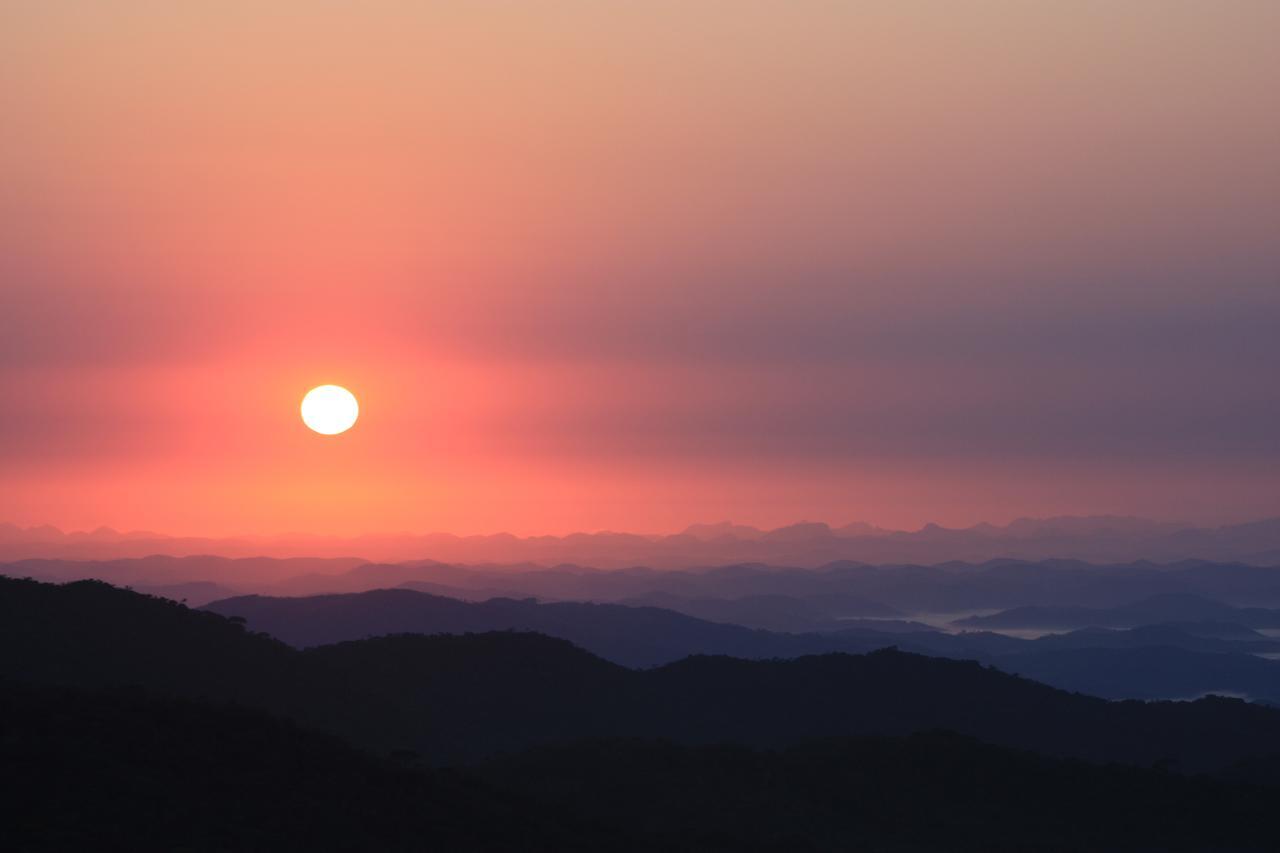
330, 409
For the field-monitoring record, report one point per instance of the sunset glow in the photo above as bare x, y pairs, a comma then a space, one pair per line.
697, 425
633, 267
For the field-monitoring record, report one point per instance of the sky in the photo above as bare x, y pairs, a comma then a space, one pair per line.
631, 266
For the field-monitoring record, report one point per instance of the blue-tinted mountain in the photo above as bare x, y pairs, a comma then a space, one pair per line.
1171, 607
775, 612
632, 636
1176, 661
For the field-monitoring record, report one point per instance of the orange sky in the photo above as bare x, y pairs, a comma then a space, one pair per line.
590, 265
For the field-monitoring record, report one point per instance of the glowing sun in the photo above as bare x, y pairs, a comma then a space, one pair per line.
330, 409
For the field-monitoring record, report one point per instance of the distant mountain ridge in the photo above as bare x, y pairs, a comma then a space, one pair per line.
1148, 663
806, 544
631, 636
758, 595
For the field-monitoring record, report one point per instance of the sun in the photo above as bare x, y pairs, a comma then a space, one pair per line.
330, 409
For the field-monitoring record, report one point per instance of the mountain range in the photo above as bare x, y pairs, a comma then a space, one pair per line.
129, 720
456, 698
752, 594
807, 544
1150, 662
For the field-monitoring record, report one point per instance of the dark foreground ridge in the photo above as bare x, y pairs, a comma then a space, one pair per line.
134, 723
461, 698
123, 770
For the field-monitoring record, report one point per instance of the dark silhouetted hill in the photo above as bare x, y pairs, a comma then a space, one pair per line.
1151, 672
124, 770
930, 792
457, 698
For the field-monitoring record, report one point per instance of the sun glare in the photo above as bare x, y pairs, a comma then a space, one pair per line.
330, 409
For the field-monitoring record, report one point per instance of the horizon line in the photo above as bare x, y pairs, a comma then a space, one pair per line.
872, 528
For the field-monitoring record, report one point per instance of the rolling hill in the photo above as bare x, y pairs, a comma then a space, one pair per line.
1144, 663
458, 698
121, 769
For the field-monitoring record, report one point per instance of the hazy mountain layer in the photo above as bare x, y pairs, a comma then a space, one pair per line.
1095, 539
756, 595
1152, 662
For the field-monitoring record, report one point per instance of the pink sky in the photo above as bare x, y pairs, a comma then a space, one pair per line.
589, 265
